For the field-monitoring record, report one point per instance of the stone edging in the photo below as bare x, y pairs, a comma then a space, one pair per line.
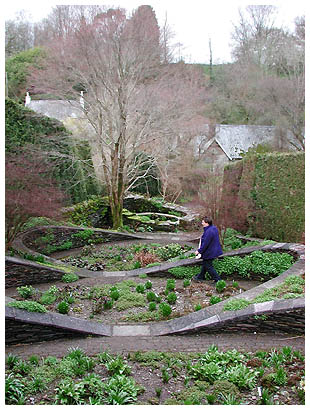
211, 318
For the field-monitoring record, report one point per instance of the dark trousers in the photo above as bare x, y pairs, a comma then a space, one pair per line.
207, 266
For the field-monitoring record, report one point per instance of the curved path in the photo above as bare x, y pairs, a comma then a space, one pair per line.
157, 336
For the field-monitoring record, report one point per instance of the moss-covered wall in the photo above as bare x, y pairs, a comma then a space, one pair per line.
272, 187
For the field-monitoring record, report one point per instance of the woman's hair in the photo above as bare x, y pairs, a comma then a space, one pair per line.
207, 219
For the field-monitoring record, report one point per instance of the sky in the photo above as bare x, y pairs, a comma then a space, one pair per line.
193, 22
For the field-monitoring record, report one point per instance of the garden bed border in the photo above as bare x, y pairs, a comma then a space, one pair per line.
282, 315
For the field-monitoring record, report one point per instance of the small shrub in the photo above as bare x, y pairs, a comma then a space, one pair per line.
186, 283
220, 286
165, 309
63, 307
25, 291
114, 294
214, 299
140, 288
151, 296
211, 398
69, 277
170, 285
152, 306
235, 284
197, 307
148, 285
47, 298
171, 298
108, 304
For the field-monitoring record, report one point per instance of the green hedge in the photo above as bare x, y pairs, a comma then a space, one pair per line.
272, 186
24, 126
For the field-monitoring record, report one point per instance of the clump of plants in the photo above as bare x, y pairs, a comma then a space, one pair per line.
214, 377
25, 291
69, 277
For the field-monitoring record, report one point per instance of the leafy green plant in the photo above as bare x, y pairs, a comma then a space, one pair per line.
25, 291
37, 384
206, 371
220, 286
165, 375
14, 390
28, 305
140, 288
236, 304
117, 366
69, 277
280, 377
152, 306
148, 285
69, 393
184, 272
151, 296
120, 390
34, 359
165, 309
86, 234
170, 285
241, 376
22, 367
186, 283
214, 299
171, 298
11, 360
211, 398
114, 294
47, 298
63, 307
229, 399
266, 398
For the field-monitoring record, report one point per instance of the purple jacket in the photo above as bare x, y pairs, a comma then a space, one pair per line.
210, 246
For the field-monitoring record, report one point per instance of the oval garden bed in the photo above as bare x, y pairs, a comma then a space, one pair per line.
147, 299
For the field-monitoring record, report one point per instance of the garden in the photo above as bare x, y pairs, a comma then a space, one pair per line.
210, 378
154, 297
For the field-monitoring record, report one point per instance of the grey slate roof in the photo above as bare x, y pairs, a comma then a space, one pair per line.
233, 139
61, 110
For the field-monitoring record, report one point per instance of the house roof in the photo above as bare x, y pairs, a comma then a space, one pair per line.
236, 139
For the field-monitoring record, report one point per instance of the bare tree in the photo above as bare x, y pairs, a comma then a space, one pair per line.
18, 34
133, 102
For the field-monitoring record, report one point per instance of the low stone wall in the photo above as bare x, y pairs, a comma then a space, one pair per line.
20, 272
285, 316
28, 327
61, 234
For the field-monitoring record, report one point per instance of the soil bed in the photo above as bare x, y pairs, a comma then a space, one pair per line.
132, 307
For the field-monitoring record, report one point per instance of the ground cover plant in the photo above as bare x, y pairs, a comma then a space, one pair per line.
122, 257
145, 299
139, 300
158, 378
